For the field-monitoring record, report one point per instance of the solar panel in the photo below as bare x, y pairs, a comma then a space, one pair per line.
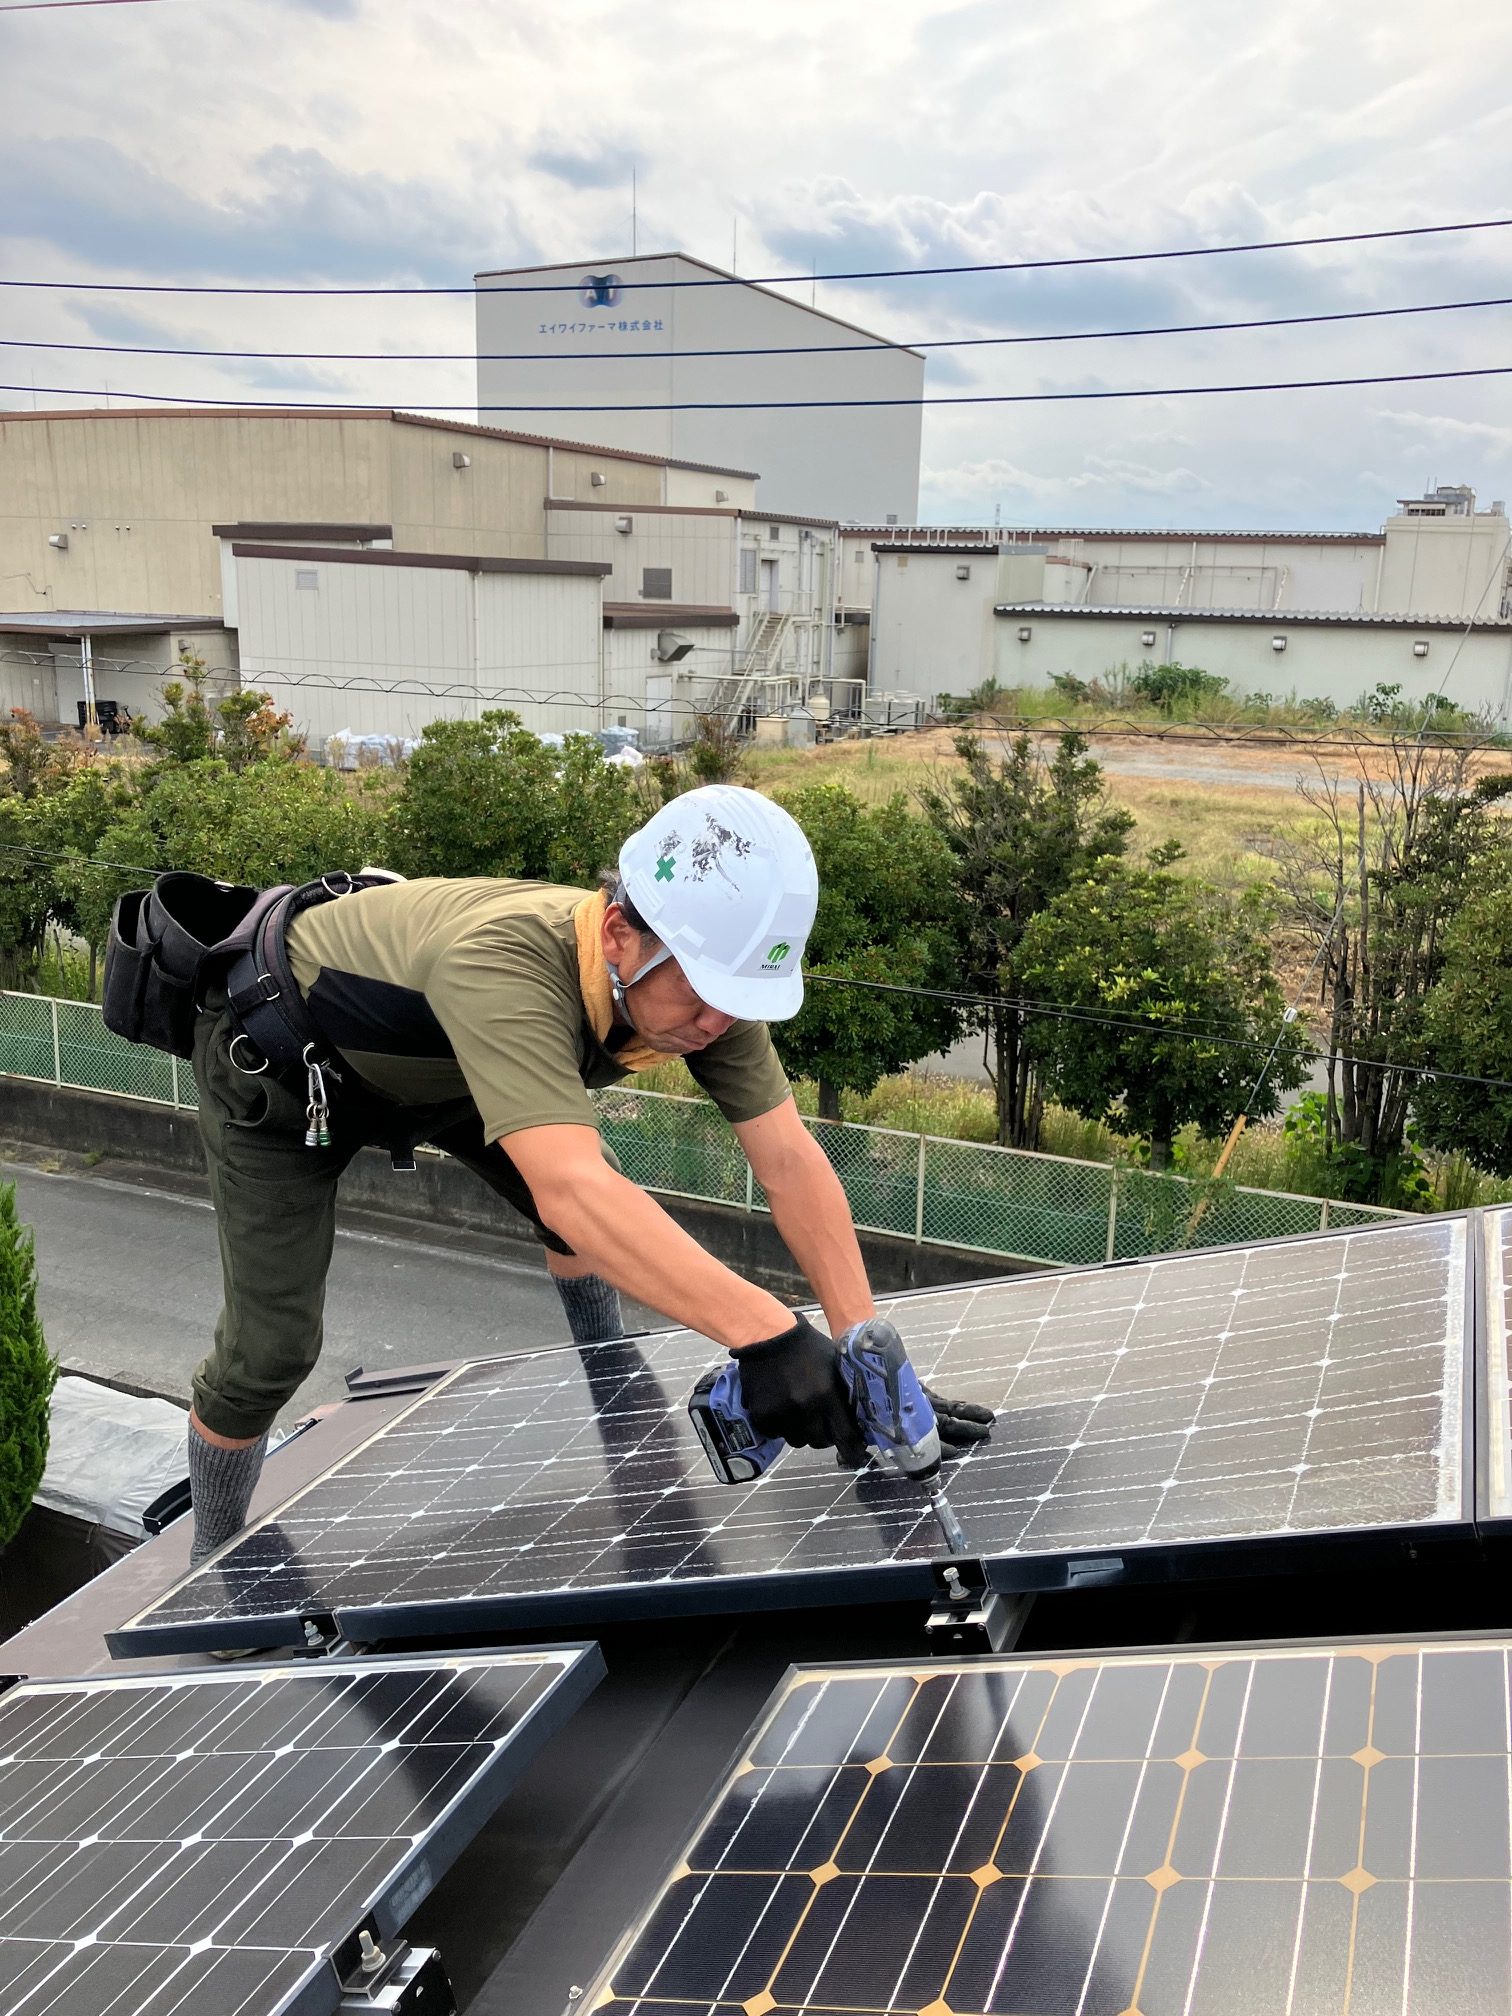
200, 1844
1261, 1394
1319, 1830
1496, 1470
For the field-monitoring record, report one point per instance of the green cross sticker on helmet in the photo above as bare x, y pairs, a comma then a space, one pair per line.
727, 882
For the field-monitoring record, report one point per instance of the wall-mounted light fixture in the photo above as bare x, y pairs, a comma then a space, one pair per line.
963, 572
624, 524
1025, 633
1147, 638
1420, 649
1278, 643
59, 540
459, 460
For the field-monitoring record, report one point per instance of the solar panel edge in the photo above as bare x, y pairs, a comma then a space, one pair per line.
1493, 1375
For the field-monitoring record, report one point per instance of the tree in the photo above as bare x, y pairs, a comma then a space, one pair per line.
487, 797
27, 1372
885, 907
1377, 882
1193, 1006
275, 822
1467, 1023
1020, 830
242, 727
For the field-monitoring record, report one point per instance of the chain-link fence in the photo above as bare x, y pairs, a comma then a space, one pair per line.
1042, 1208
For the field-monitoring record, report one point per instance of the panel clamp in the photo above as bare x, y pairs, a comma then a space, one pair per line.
967, 1616
391, 1977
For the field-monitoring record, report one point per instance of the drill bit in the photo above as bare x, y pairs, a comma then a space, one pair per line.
950, 1526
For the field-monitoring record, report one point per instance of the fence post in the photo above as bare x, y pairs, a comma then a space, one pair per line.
173, 1076
750, 1188
919, 1193
1323, 1217
1112, 1216
57, 1046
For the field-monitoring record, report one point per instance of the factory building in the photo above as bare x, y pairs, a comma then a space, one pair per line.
687, 342
1330, 615
109, 517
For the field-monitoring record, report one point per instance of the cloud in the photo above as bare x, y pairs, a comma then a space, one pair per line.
297, 214
1427, 429
598, 167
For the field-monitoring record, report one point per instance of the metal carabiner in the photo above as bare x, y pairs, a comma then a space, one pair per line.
247, 1070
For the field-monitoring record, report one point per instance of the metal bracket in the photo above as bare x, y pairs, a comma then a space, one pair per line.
969, 1617
391, 1979
321, 1636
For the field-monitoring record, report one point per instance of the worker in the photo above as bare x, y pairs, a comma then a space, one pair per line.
476, 1015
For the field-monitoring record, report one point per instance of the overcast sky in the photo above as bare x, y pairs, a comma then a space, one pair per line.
393, 141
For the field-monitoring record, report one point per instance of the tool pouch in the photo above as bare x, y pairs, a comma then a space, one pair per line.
159, 941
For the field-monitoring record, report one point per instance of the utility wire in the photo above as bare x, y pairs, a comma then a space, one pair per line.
802, 279
53, 6
875, 349
1045, 1010
785, 405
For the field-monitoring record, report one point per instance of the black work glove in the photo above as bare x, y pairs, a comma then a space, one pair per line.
792, 1387
962, 1424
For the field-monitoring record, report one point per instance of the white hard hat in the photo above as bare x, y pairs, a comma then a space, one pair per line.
727, 882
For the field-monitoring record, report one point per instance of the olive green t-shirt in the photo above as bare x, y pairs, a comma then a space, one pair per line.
443, 989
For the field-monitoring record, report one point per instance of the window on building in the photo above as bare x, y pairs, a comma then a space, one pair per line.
748, 570
774, 532
306, 577
656, 584
860, 555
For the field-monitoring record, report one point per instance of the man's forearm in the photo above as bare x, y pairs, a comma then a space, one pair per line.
632, 1242
812, 1213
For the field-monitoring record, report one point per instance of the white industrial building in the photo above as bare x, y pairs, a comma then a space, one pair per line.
673, 335
1330, 615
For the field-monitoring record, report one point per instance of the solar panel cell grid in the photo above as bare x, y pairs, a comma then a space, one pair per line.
1320, 1831
1310, 1387
188, 1844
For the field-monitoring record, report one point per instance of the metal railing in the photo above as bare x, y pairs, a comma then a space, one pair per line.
1045, 1209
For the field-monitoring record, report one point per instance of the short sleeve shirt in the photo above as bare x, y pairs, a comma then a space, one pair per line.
440, 989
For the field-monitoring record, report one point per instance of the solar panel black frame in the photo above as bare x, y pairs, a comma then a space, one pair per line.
703, 1932
1493, 1372
894, 1580
419, 1859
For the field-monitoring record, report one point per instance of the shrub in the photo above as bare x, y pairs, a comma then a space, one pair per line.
27, 1373
1175, 688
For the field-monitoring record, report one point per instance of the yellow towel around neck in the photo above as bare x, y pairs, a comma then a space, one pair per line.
593, 984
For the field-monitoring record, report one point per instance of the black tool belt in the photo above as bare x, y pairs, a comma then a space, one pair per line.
171, 942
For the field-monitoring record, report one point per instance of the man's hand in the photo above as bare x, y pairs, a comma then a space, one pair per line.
793, 1388
962, 1424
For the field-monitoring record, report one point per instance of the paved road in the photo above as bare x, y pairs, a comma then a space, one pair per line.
130, 1289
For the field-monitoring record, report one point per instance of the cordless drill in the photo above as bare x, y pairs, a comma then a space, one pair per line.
891, 1409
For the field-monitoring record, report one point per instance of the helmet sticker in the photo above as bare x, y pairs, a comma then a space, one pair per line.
715, 842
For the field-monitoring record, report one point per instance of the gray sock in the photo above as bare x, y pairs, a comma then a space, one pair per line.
593, 1308
221, 1483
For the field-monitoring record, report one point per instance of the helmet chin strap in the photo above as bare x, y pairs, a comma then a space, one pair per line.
618, 988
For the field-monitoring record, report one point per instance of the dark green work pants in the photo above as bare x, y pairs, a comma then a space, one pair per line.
275, 1213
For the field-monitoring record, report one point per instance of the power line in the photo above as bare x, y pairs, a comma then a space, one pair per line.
1043, 1010
875, 349
54, 6
1049, 1011
800, 279
790, 405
